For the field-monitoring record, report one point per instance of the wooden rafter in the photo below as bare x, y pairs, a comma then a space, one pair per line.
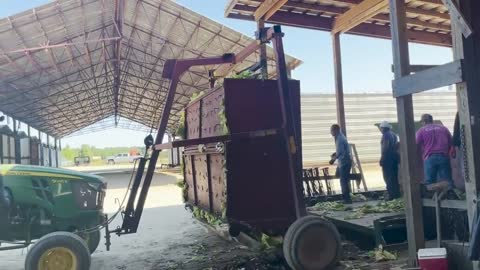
379, 17
358, 14
268, 8
365, 29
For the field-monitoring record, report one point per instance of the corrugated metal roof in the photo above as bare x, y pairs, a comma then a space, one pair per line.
71, 63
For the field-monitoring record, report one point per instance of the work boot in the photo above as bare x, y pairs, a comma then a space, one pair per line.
347, 200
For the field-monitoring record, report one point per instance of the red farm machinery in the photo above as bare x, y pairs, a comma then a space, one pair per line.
243, 157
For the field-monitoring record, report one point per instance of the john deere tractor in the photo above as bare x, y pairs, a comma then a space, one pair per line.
59, 211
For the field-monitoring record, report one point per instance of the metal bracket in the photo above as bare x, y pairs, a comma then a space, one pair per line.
262, 35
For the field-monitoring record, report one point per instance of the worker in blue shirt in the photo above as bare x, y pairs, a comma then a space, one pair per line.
344, 161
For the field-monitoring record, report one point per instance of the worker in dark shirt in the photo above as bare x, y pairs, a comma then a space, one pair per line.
344, 161
389, 160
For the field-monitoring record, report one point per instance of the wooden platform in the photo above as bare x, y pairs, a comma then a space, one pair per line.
361, 229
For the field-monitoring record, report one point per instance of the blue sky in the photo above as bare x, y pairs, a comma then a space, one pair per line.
366, 61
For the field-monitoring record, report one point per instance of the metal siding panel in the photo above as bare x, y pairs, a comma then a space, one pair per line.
362, 112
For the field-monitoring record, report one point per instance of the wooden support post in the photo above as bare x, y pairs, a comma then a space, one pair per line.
49, 151
458, 18
171, 156
16, 139
337, 62
28, 131
468, 98
59, 152
56, 151
411, 188
179, 160
40, 151
263, 52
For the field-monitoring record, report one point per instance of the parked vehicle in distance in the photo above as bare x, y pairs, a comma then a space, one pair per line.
81, 160
122, 158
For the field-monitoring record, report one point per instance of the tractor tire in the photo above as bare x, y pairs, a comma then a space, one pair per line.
312, 243
59, 251
91, 239
287, 239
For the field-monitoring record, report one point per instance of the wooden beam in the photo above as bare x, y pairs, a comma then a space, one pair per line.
364, 29
337, 63
468, 98
268, 8
408, 151
413, 22
230, 6
417, 68
321, 8
429, 79
358, 14
458, 18
449, 204
422, 37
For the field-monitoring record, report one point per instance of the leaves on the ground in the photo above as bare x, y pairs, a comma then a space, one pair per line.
269, 242
382, 207
330, 206
381, 255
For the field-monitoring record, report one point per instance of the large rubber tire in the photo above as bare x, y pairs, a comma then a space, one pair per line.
312, 243
66, 242
92, 240
287, 240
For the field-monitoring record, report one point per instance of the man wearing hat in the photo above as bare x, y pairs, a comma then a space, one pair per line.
389, 160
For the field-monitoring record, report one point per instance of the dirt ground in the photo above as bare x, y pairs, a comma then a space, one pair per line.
169, 238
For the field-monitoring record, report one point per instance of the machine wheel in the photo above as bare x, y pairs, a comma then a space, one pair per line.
59, 251
111, 162
312, 243
92, 240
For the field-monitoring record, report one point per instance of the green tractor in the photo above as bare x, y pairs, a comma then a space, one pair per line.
59, 211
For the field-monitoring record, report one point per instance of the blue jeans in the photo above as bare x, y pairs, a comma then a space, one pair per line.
344, 174
437, 167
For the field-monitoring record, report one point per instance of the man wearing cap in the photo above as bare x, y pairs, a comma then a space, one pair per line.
435, 143
389, 160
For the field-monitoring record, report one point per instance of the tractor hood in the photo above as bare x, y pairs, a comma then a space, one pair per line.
31, 170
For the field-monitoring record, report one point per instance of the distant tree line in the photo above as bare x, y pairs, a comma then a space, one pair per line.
69, 153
